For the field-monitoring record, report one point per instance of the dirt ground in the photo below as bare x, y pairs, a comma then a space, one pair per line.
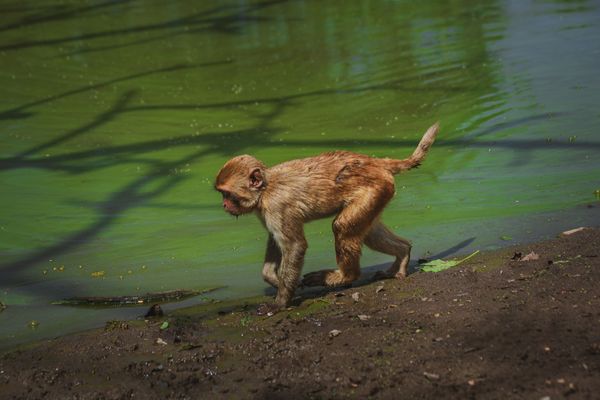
490, 328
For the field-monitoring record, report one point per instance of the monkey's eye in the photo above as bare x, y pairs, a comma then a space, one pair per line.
230, 196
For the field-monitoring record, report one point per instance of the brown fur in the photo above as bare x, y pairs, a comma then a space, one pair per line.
352, 186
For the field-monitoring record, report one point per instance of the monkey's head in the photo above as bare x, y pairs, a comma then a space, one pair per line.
241, 182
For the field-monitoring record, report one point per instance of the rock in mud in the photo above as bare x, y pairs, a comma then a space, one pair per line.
154, 311
334, 333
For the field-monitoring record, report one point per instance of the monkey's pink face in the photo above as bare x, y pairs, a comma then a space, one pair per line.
240, 182
230, 203
233, 204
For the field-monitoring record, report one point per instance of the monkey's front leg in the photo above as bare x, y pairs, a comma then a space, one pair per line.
289, 271
288, 274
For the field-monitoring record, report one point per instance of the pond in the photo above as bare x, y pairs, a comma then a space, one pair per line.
116, 116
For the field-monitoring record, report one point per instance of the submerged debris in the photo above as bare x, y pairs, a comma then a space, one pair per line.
136, 300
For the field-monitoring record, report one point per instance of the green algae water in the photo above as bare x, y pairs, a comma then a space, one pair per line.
116, 115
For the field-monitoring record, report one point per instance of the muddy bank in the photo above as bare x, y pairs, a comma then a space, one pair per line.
491, 327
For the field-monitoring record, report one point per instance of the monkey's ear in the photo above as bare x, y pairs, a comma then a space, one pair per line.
256, 179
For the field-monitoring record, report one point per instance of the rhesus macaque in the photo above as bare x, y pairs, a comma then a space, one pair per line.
354, 187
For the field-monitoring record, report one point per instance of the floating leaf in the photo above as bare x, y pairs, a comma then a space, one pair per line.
442, 265
506, 237
98, 274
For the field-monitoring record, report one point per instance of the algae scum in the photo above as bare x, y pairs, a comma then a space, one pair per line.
115, 117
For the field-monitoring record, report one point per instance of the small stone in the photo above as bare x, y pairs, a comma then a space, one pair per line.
379, 288
363, 317
355, 296
431, 376
334, 333
161, 342
154, 311
531, 257
471, 382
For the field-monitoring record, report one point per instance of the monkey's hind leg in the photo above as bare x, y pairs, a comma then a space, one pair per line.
381, 239
350, 228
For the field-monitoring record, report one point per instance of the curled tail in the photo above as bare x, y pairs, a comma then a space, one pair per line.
417, 157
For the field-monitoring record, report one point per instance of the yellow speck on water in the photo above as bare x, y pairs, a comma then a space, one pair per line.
80, 267
33, 324
121, 277
45, 271
98, 274
143, 267
61, 268
130, 272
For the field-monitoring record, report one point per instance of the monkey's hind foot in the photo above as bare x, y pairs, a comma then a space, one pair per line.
327, 277
381, 275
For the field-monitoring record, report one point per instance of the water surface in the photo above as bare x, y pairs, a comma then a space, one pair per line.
116, 116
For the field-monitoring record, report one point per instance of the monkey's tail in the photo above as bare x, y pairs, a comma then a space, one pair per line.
417, 157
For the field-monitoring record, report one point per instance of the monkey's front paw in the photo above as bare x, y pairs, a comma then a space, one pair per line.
267, 309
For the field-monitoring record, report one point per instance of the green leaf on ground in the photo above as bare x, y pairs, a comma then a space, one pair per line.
164, 325
442, 265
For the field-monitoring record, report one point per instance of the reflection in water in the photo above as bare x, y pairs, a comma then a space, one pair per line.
116, 116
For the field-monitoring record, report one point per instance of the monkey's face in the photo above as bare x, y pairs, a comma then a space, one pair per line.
241, 182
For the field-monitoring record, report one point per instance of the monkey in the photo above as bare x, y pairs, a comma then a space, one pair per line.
353, 187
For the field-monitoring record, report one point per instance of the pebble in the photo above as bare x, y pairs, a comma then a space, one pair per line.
431, 376
334, 333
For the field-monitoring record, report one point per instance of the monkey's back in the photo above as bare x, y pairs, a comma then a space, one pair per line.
321, 185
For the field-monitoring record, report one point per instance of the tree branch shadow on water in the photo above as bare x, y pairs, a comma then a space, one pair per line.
132, 195
208, 21
21, 111
135, 194
56, 13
